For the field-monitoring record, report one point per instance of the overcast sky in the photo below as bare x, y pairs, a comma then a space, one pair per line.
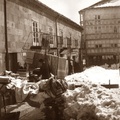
69, 8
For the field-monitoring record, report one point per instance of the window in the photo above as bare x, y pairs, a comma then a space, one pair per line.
51, 35
45, 40
60, 32
115, 29
97, 17
98, 45
60, 37
81, 19
35, 34
68, 42
114, 45
119, 21
99, 27
76, 43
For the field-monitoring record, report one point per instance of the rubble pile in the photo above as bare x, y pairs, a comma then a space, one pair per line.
91, 101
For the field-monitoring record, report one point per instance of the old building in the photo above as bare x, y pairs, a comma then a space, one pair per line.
29, 24
101, 23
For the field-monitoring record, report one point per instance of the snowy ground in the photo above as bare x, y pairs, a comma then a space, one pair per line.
97, 74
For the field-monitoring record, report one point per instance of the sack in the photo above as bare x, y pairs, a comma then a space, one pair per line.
57, 86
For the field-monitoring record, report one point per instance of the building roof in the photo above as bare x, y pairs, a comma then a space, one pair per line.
44, 9
59, 16
104, 4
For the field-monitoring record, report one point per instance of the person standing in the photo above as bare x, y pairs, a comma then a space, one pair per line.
76, 65
45, 71
70, 67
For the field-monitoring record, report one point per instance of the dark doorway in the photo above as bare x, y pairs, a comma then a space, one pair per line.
13, 62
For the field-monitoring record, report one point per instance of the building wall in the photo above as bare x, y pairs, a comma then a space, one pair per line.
101, 32
20, 20
69, 32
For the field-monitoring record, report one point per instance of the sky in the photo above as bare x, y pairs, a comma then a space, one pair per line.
69, 8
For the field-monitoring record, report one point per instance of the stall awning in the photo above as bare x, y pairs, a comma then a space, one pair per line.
52, 51
74, 53
64, 52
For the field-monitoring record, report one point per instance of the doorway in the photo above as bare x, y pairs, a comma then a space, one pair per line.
13, 62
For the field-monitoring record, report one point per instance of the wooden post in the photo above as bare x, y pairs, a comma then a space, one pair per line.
0, 104
109, 84
6, 39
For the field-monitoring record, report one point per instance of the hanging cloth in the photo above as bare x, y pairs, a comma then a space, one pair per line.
61, 72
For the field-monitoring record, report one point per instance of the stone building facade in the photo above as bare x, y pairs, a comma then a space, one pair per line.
101, 23
31, 24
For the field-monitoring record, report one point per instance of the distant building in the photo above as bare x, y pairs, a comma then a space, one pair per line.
29, 24
101, 35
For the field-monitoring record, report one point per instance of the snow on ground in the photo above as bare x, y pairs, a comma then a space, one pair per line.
97, 75
92, 101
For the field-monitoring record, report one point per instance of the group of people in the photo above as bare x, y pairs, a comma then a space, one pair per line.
43, 71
